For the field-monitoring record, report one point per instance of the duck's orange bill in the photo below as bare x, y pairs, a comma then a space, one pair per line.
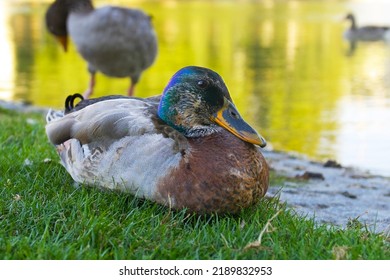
229, 118
63, 39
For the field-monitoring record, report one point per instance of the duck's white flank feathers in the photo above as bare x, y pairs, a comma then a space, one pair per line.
114, 144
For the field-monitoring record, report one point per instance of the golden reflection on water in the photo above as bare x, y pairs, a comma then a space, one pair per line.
7, 56
288, 69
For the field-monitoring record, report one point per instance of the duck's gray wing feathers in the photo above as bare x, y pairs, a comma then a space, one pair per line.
103, 121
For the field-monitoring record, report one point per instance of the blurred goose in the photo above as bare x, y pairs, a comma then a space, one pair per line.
365, 33
118, 42
188, 148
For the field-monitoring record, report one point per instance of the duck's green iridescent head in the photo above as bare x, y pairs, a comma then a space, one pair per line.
196, 101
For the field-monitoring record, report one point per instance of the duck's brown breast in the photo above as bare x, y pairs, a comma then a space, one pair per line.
220, 173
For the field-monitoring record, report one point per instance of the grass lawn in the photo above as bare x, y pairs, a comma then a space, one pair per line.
44, 216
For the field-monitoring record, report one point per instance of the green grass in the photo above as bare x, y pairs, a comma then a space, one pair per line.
44, 216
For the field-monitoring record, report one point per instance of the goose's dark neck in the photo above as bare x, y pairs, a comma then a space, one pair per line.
353, 23
79, 5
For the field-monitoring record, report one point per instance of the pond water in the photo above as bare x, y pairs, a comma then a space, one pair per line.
286, 64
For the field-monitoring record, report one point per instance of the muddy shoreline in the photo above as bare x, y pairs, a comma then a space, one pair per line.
331, 193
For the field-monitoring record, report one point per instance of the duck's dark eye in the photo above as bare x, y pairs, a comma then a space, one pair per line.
202, 83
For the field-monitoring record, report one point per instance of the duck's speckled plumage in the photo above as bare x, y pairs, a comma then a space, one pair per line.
117, 41
124, 143
219, 172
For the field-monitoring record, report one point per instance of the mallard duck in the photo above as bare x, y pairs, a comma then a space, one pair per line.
365, 33
116, 41
187, 148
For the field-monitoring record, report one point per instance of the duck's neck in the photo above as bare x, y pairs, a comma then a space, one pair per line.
201, 131
81, 6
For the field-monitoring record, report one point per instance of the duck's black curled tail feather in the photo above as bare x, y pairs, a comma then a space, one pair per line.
69, 102
70, 105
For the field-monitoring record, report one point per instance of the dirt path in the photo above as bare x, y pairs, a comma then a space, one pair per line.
334, 195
